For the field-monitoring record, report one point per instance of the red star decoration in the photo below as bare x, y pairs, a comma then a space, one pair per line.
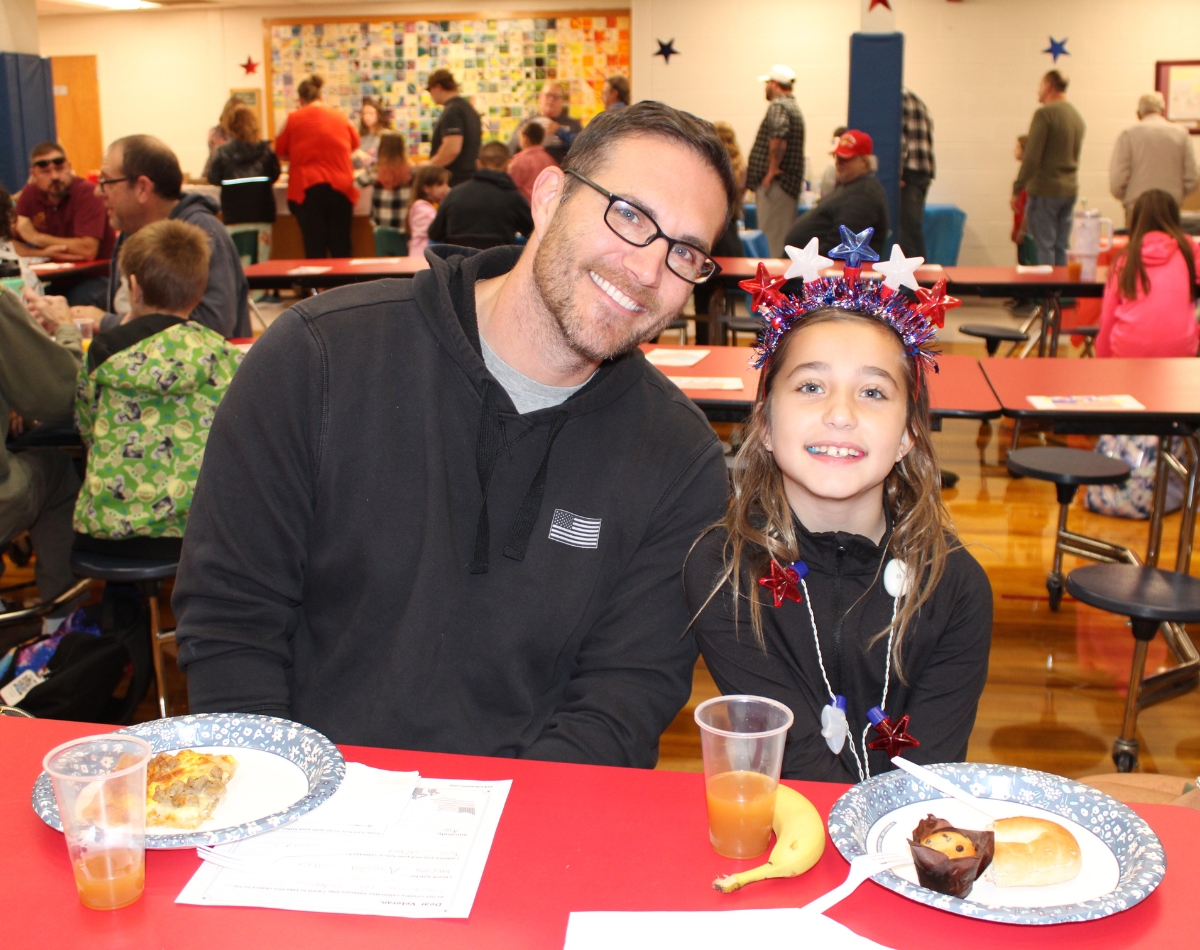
250, 66
764, 289
893, 737
783, 580
935, 303
879, 3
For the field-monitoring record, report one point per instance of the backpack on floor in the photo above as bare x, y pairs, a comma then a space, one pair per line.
1134, 498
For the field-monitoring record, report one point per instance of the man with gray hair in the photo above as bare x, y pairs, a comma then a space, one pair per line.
1154, 153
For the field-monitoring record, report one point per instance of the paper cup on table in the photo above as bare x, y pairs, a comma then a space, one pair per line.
100, 785
87, 327
742, 738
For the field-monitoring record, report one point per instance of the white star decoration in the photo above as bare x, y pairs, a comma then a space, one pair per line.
806, 263
899, 269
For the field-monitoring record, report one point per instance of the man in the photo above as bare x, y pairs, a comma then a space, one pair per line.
917, 170
553, 116
60, 216
1050, 170
1154, 153
486, 211
140, 183
458, 133
615, 94
38, 486
528, 163
858, 200
775, 169
451, 512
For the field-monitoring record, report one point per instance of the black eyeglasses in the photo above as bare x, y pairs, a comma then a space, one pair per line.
635, 226
103, 183
47, 162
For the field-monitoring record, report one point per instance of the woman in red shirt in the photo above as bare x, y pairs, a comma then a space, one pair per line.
318, 141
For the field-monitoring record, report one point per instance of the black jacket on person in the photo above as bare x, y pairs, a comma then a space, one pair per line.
859, 205
382, 548
944, 657
245, 202
486, 211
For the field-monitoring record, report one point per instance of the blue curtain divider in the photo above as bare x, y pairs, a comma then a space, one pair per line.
26, 113
876, 103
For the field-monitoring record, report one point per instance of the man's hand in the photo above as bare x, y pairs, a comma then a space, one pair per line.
50, 311
16, 425
766, 181
59, 253
26, 231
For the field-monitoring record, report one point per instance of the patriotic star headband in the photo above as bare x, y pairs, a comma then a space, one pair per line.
916, 324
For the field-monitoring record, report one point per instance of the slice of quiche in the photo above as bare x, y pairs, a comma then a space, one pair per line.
184, 788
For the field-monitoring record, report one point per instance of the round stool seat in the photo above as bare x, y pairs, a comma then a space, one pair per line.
992, 331
1137, 591
1089, 330
106, 567
1065, 466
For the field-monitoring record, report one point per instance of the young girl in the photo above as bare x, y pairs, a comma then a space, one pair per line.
431, 183
833, 584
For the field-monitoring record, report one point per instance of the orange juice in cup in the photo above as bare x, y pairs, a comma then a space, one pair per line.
742, 738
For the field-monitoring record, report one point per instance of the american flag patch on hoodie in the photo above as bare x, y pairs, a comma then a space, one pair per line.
575, 530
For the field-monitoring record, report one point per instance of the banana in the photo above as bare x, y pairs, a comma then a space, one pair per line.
799, 842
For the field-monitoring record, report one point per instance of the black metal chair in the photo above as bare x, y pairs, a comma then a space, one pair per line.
1068, 469
993, 335
1148, 597
1089, 334
732, 326
148, 574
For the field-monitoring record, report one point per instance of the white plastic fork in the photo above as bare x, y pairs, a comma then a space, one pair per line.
861, 867
944, 786
257, 862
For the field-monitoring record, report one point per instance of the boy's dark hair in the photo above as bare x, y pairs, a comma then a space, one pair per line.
494, 155
170, 261
425, 176
535, 132
46, 148
443, 78
310, 89
144, 155
650, 118
620, 85
1058, 82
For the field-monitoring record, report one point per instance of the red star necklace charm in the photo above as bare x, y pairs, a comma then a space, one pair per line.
783, 581
764, 289
893, 736
935, 303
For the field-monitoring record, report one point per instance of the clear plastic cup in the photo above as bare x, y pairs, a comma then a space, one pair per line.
100, 784
742, 738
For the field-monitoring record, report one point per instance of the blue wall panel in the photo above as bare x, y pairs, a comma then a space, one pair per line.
26, 113
876, 81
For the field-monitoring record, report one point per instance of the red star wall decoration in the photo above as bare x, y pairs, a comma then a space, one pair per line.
250, 66
879, 3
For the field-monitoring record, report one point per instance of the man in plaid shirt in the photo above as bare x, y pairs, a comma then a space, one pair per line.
775, 169
917, 170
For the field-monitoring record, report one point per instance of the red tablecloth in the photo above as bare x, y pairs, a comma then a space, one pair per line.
572, 838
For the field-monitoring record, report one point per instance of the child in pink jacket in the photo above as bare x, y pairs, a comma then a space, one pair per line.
1149, 304
430, 184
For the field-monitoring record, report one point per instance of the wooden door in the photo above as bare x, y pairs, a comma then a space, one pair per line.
77, 111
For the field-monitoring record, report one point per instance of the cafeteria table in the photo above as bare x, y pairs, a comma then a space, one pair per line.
69, 273
571, 838
322, 273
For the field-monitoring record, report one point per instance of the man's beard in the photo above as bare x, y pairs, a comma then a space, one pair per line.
57, 189
555, 273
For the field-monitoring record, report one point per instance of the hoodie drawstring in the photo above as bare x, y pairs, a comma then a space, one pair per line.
531, 506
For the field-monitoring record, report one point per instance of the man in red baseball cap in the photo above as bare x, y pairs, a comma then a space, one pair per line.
858, 201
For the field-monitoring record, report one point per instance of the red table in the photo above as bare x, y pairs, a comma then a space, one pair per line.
277, 274
57, 274
572, 838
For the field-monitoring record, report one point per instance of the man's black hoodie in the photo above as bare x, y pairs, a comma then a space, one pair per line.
486, 211
372, 551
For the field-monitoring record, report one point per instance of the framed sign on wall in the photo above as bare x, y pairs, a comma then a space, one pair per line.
1179, 83
499, 62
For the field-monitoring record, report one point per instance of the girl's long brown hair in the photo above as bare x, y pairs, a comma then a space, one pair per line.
1155, 210
760, 524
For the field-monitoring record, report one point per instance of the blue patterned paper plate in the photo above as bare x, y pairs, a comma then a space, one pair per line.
314, 755
858, 822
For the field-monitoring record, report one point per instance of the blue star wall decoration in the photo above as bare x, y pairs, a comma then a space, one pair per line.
666, 50
1057, 48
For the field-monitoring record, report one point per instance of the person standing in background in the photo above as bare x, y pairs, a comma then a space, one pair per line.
776, 166
387, 177
917, 170
1026, 249
615, 94
552, 115
1050, 170
527, 164
1154, 153
458, 133
246, 168
219, 134
431, 184
373, 121
318, 140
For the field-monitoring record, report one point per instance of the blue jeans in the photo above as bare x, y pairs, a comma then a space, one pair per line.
1048, 221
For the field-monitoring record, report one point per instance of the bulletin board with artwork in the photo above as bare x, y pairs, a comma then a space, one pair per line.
499, 61
1179, 82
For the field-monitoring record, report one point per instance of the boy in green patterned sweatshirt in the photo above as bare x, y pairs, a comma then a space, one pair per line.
146, 399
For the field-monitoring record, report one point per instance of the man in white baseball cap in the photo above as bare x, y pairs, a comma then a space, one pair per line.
775, 169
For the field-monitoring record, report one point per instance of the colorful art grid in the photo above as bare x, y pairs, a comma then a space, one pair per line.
499, 65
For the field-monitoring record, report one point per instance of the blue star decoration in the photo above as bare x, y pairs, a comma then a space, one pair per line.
855, 248
1057, 48
666, 50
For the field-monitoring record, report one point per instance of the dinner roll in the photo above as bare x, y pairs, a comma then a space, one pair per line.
1033, 851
